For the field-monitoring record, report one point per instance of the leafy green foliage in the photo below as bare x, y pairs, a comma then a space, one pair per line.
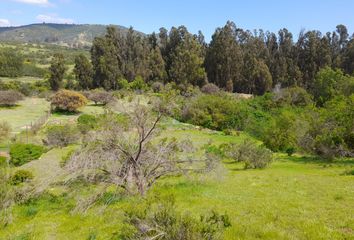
57, 70
11, 63
21, 176
23, 153
250, 153
329, 83
83, 72
62, 135
66, 100
215, 111
86, 122
160, 219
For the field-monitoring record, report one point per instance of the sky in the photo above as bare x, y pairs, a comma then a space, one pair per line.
205, 15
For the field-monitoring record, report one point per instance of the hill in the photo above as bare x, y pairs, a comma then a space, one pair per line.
71, 35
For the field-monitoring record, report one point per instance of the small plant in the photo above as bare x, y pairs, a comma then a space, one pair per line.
5, 130
24, 153
86, 122
250, 153
62, 135
21, 176
160, 220
290, 151
66, 100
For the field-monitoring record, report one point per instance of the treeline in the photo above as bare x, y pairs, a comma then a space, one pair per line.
236, 60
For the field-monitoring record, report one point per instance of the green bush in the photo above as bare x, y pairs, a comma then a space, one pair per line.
250, 153
3, 161
23, 153
86, 122
21, 176
161, 216
290, 151
216, 112
62, 135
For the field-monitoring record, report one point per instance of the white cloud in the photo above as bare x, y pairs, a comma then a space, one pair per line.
53, 18
35, 2
4, 22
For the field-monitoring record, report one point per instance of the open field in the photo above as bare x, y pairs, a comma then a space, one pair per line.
21, 79
297, 197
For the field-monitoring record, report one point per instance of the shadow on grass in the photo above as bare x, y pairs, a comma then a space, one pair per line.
65, 113
9, 107
317, 160
96, 105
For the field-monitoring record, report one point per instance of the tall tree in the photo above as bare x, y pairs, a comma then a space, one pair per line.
57, 70
187, 63
83, 72
224, 57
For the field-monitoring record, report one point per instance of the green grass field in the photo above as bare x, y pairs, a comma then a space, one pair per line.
298, 197
21, 79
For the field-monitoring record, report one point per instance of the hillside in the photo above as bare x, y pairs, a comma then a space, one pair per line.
71, 35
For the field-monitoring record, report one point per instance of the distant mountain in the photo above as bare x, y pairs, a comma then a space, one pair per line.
71, 35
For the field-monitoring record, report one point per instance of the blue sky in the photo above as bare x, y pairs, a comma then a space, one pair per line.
204, 15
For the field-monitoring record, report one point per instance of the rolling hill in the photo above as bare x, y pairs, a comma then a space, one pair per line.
71, 35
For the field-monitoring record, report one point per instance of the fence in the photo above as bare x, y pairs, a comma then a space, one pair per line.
32, 128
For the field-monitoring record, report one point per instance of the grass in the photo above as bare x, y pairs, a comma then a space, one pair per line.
27, 111
297, 197
292, 199
21, 79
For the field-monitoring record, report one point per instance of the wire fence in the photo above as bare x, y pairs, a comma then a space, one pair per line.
31, 129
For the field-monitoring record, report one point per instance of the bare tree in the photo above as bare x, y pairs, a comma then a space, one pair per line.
131, 155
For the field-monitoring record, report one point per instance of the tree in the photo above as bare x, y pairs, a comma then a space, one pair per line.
224, 57
100, 96
10, 98
83, 72
57, 70
106, 59
187, 63
66, 100
129, 154
348, 58
11, 63
329, 83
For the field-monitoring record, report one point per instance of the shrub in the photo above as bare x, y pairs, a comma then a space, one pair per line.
157, 87
210, 88
248, 152
216, 112
295, 96
66, 100
123, 83
86, 122
2, 161
61, 135
290, 151
100, 96
5, 130
138, 84
146, 221
21, 176
10, 97
23, 153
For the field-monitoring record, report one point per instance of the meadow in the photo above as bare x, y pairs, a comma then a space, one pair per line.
296, 197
